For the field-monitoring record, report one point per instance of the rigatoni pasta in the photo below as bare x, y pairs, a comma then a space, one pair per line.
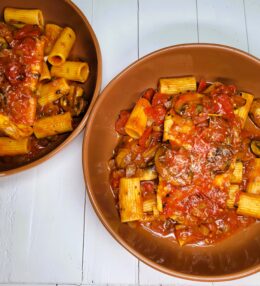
176, 85
11, 147
37, 106
52, 33
196, 170
26, 16
45, 73
52, 91
53, 125
76, 71
62, 47
130, 200
136, 123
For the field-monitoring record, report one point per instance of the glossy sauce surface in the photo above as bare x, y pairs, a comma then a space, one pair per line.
18, 83
194, 203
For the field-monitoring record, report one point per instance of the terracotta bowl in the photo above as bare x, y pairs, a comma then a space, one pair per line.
232, 258
65, 13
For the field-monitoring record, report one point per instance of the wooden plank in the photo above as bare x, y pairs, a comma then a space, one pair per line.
115, 24
41, 218
252, 12
252, 280
222, 22
105, 260
165, 23
150, 276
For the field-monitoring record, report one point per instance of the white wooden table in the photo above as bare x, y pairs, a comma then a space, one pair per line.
49, 233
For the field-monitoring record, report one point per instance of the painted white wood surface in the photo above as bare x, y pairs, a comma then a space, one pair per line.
42, 219
165, 23
222, 22
42, 222
252, 12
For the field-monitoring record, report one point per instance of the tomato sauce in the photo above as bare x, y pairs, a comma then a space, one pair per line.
190, 165
21, 58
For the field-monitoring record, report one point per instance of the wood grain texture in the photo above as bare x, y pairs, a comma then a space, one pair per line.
252, 12
165, 23
253, 280
41, 212
222, 22
115, 24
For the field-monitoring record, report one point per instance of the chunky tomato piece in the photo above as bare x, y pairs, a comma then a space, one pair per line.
121, 122
148, 94
160, 98
157, 113
223, 105
21, 105
143, 141
202, 85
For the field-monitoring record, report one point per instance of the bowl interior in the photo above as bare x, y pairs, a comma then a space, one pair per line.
86, 48
234, 257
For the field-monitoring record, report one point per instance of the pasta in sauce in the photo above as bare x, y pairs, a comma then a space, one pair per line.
41, 100
185, 167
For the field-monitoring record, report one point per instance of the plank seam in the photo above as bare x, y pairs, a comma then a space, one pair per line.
197, 16
247, 39
138, 29
83, 242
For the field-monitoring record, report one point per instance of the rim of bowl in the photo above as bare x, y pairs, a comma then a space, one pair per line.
83, 121
87, 135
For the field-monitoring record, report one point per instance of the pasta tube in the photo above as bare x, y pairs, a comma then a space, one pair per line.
27, 16
62, 47
15, 131
160, 191
253, 186
52, 91
148, 205
76, 71
232, 195
136, 123
237, 175
45, 74
249, 204
242, 111
130, 201
53, 125
52, 33
176, 85
11, 147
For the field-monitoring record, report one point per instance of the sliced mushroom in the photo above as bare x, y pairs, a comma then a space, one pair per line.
255, 147
75, 101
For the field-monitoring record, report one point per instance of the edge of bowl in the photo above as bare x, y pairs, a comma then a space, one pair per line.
83, 122
200, 278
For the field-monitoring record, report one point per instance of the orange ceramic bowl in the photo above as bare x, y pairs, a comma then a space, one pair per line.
235, 257
65, 13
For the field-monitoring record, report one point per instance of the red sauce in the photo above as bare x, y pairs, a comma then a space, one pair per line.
20, 55
194, 204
